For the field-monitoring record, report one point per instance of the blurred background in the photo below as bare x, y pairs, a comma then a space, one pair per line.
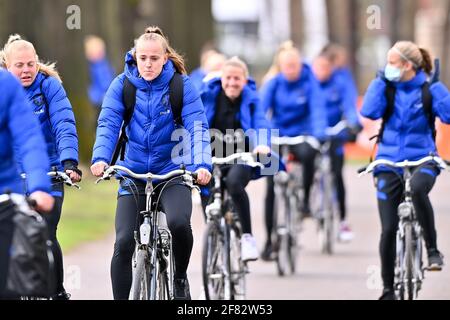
251, 29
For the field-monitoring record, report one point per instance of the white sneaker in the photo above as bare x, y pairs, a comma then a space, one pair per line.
345, 233
249, 250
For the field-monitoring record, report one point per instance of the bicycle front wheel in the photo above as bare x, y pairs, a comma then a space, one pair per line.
237, 266
409, 261
213, 263
141, 277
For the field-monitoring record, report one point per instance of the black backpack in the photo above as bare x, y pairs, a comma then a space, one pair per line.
176, 93
31, 270
427, 101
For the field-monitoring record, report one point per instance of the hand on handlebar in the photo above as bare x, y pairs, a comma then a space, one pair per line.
203, 176
99, 168
262, 150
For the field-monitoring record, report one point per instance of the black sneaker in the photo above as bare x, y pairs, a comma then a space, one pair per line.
388, 294
267, 254
306, 211
435, 260
181, 289
62, 296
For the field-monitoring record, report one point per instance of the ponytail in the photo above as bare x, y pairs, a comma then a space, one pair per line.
427, 63
155, 33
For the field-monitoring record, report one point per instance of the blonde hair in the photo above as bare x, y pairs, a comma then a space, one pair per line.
93, 45
15, 43
155, 33
274, 69
419, 57
238, 63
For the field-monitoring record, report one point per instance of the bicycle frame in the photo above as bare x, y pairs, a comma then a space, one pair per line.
409, 238
223, 269
153, 255
221, 215
156, 239
409, 272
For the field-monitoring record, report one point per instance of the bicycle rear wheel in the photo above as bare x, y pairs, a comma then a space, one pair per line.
213, 263
141, 277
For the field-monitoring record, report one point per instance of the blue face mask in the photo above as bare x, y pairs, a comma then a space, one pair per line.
392, 73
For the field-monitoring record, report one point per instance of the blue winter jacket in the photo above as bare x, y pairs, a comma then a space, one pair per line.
340, 103
54, 111
298, 108
101, 74
407, 134
251, 114
197, 76
251, 117
150, 144
19, 130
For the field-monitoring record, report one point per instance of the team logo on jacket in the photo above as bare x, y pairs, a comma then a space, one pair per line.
39, 100
165, 100
418, 105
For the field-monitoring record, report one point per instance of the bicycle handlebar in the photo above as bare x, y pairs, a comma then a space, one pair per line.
403, 164
59, 175
112, 170
292, 141
64, 177
246, 157
337, 129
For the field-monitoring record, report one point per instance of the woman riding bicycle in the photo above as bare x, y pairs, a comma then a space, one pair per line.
54, 112
232, 108
19, 128
340, 105
407, 135
150, 66
294, 97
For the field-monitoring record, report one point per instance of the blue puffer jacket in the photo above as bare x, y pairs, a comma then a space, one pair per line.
197, 77
57, 122
150, 145
407, 134
251, 117
102, 74
19, 130
340, 104
251, 114
298, 108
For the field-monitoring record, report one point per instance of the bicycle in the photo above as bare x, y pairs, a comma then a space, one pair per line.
289, 194
153, 261
223, 270
409, 271
324, 196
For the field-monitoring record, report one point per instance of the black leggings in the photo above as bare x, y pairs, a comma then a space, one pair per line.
337, 164
389, 194
236, 179
176, 202
52, 220
306, 155
6, 234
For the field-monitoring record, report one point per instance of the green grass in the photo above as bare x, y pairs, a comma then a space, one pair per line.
88, 214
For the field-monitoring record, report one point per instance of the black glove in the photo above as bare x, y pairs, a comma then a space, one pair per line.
353, 132
73, 166
437, 72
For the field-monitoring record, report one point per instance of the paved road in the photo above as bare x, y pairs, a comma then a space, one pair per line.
352, 273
